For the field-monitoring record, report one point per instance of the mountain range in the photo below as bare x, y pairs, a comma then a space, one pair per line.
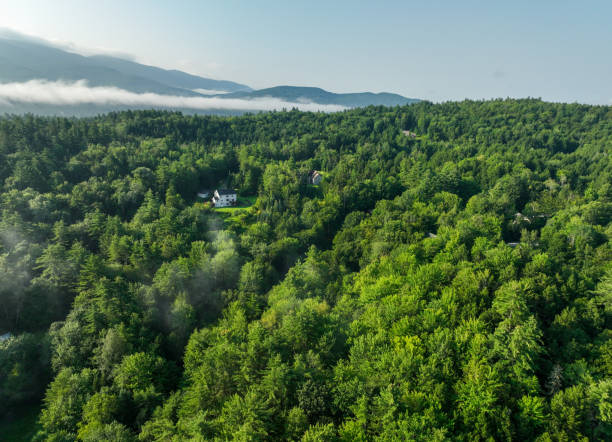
42, 78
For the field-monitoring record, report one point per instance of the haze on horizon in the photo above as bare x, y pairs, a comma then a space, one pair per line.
442, 50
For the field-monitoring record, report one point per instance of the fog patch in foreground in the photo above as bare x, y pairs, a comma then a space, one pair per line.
62, 93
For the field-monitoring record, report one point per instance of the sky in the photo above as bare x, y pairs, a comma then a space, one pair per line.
436, 50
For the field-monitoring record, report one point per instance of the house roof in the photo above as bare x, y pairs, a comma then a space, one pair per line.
226, 192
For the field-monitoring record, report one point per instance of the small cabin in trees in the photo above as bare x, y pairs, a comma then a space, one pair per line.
225, 198
315, 177
409, 134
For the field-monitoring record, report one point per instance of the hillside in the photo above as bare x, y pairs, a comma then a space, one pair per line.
452, 286
23, 59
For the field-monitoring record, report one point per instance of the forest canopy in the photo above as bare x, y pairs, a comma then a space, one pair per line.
450, 278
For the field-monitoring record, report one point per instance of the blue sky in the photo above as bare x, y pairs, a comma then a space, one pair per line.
438, 50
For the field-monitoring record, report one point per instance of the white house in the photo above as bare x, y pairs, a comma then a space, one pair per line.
224, 198
315, 177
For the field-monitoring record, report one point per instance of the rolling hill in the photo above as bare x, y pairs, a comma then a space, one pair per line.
318, 95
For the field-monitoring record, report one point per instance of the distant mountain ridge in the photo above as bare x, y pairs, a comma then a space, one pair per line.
25, 59
318, 95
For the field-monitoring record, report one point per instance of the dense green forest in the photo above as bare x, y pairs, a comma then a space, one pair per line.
456, 285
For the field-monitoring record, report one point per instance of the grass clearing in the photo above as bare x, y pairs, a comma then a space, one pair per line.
244, 202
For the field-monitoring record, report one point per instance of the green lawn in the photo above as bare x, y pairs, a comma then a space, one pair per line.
22, 427
244, 202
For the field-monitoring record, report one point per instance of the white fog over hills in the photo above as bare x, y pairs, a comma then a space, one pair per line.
42, 78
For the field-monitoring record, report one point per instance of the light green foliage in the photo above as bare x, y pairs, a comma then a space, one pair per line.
139, 372
65, 399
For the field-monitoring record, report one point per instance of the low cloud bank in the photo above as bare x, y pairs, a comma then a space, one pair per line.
66, 94
210, 91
